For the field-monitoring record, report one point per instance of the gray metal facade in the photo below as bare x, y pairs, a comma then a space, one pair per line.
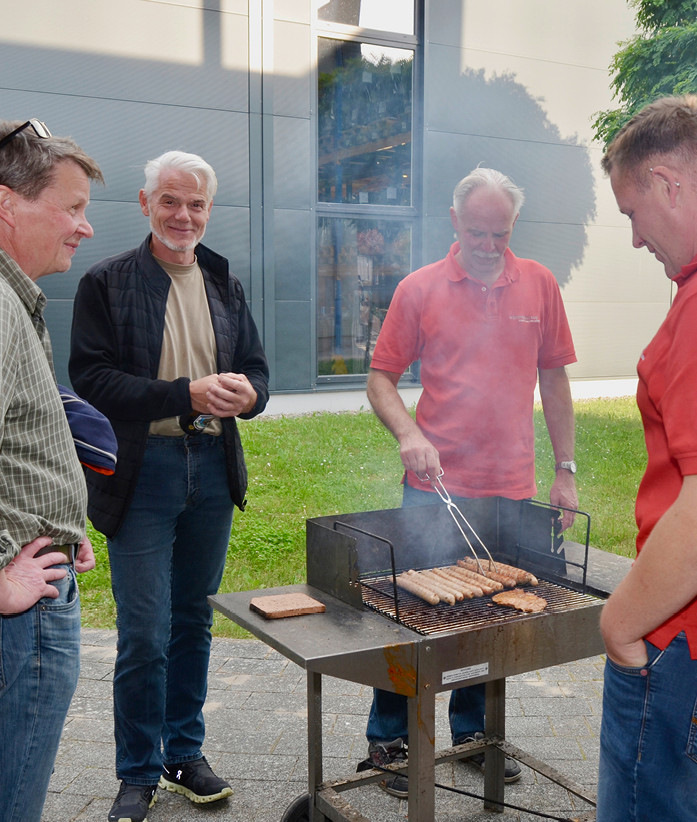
235, 81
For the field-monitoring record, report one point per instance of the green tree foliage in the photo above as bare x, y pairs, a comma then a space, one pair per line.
660, 60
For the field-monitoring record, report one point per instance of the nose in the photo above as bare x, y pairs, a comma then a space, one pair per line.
488, 244
637, 240
182, 213
85, 230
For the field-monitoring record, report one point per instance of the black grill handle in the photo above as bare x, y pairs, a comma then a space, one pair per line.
387, 542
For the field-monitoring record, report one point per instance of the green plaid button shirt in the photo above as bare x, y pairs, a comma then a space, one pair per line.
42, 485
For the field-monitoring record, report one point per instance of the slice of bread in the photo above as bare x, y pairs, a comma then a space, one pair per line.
278, 606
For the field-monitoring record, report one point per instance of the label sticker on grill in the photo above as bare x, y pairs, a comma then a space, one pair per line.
458, 674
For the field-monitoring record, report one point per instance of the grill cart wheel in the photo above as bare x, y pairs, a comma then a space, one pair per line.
298, 810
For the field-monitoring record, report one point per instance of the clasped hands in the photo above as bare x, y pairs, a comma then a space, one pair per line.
224, 395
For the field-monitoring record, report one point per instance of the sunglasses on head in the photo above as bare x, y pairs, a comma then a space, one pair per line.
40, 129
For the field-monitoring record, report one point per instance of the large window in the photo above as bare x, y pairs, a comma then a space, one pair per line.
360, 262
365, 187
365, 113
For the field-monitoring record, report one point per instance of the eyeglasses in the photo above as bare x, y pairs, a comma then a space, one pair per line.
40, 129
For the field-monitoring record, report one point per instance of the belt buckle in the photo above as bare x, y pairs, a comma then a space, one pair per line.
194, 423
68, 551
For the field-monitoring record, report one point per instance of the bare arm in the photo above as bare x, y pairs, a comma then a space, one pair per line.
662, 580
415, 450
559, 416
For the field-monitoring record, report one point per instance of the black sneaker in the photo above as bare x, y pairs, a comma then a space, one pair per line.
511, 773
194, 780
132, 803
383, 755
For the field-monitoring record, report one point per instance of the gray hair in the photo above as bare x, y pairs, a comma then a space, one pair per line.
180, 161
28, 162
479, 177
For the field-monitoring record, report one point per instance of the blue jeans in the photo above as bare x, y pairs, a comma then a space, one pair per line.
39, 668
166, 559
388, 713
648, 739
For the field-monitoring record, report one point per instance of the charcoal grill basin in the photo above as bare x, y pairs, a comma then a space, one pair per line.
363, 646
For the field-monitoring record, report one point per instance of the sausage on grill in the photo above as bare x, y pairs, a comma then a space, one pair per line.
487, 586
518, 574
444, 583
407, 582
469, 588
438, 590
489, 573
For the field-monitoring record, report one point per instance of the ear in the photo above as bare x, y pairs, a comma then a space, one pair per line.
8, 205
668, 179
143, 200
453, 218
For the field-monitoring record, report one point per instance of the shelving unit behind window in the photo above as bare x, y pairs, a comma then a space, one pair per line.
366, 216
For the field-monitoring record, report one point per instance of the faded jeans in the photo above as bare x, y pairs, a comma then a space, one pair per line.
39, 668
166, 559
648, 739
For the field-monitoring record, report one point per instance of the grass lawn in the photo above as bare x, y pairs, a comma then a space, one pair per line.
322, 464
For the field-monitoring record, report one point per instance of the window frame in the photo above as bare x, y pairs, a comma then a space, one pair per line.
410, 214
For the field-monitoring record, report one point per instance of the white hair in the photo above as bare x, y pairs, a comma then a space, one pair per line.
181, 161
480, 177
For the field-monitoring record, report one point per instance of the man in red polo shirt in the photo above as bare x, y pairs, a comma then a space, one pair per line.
485, 326
648, 739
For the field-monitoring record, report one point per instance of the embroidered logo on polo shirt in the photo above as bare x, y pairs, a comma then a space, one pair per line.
524, 318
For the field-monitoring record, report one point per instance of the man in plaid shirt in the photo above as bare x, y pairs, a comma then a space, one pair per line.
44, 191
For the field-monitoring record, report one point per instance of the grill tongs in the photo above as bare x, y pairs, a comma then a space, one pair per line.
458, 516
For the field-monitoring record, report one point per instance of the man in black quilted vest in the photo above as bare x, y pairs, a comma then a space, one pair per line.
164, 344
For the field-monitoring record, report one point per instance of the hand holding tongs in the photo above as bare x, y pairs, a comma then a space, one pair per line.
455, 512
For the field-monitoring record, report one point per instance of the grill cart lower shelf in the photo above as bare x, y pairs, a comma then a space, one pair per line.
362, 646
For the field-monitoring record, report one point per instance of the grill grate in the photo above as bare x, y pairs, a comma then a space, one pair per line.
414, 613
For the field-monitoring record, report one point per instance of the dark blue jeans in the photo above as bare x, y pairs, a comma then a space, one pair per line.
39, 667
166, 559
648, 739
388, 713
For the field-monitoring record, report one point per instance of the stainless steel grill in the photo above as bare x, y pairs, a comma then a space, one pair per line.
431, 620
401, 644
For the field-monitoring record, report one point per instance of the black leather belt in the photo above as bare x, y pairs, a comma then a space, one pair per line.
68, 551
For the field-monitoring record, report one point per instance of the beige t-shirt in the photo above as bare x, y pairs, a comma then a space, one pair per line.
188, 342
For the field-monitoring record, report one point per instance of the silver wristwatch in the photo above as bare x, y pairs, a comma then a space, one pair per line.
568, 465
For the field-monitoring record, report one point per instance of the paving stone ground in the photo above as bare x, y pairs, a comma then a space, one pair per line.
257, 739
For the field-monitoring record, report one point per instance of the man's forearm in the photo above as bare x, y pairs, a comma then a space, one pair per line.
388, 405
663, 578
416, 452
558, 409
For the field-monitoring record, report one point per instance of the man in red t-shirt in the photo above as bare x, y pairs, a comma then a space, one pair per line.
648, 740
485, 325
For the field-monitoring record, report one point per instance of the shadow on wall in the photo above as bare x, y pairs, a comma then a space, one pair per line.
503, 127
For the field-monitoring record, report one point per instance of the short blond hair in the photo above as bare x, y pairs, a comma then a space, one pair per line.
667, 126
